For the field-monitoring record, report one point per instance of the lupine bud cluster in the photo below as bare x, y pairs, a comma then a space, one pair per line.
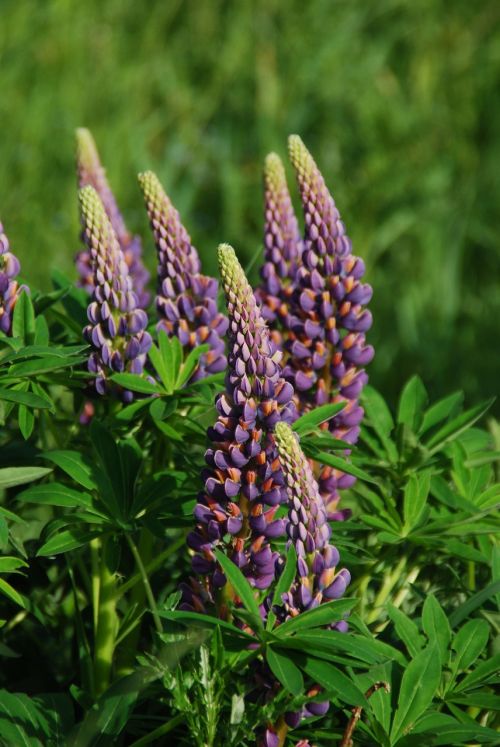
117, 324
323, 318
187, 300
91, 173
282, 246
9, 287
243, 483
309, 532
316, 578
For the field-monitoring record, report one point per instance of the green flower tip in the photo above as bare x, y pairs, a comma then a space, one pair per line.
153, 191
274, 172
298, 153
286, 440
86, 149
92, 208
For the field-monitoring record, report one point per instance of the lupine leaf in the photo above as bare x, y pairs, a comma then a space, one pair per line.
440, 410
332, 679
25, 398
420, 681
136, 383
240, 586
457, 426
200, 618
75, 465
411, 403
68, 539
481, 674
284, 583
436, 626
10, 476
473, 603
189, 365
285, 671
23, 321
406, 630
55, 494
311, 420
322, 615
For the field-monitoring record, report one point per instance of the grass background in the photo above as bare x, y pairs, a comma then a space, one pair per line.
397, 100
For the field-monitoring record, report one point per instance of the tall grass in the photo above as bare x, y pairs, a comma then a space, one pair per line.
397, 100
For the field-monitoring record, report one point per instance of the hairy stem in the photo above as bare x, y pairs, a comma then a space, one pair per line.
104, 644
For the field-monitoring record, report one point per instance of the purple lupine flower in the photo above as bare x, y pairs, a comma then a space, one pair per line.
10, 289
317, 579
326, 346
187, 300
282, 247
244, 484
117, 324
90, 172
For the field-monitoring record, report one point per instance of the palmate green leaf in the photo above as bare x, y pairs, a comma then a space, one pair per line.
480, 675
75, 465
284, 583
436, 626
69, 539
482, 699
418, 686
463, 734
415, 499
136, 383
473, 603
455, 427
323, 615
440, 411
56, 494
333, 680
189, 365
380, 420
25, 398
7, 590
323, 457
411, 403
11, 476
369, 650
9, 563
26, 420
406, 630
285, 671
43, 365
23, 320
241, 586
312, 420
200, 619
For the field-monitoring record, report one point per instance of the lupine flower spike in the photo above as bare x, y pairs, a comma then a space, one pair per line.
308, 530
282, 247
90, 172
117, 325
328, 320
9, 287
186, 300
243, 483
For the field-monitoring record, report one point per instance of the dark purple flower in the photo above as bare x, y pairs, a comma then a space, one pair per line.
187, 300
117, 325
243, 482
91, 173
282, 247
10, 289
326, 346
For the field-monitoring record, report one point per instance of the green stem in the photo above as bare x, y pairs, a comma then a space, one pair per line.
150, 567
385, 590
159, 732
96, 579
104, 644
147, 585
401, 595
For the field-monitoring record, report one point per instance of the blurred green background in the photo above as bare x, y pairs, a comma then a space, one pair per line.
397, 100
